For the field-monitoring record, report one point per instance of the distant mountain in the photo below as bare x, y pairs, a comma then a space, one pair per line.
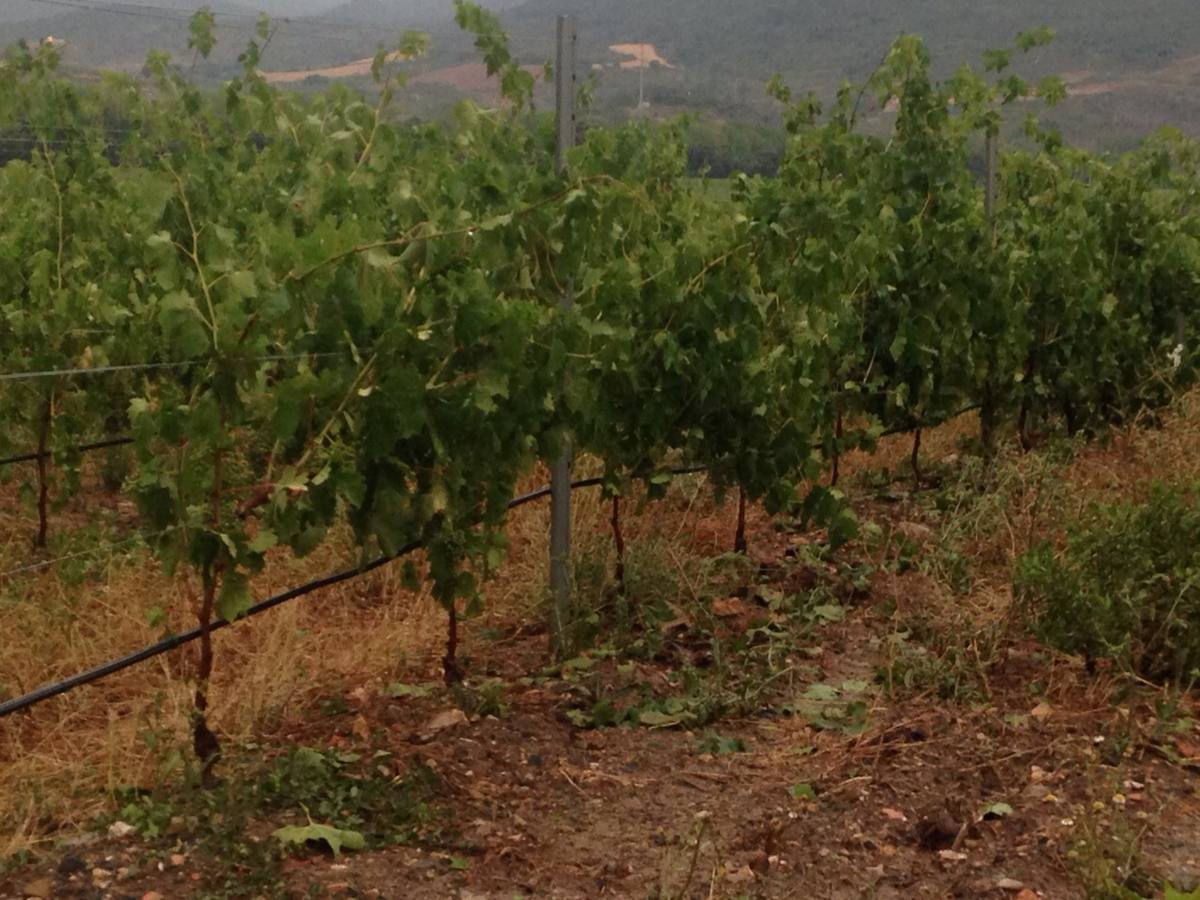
409, 12
1132, 64
117, 35
23, 10
20, 10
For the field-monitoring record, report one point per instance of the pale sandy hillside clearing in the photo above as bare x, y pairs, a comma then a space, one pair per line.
644, 55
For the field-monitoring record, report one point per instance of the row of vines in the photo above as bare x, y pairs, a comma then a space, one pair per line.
309, 316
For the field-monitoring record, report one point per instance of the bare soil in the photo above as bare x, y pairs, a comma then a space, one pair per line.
1005, 770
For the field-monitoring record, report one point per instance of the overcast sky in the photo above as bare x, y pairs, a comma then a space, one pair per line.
303, 7
22, 9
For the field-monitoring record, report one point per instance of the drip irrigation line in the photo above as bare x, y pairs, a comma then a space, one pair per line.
178, 640
33, 456
175, 641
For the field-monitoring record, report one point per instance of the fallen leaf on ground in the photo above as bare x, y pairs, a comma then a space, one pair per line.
729, 607
1187, 749
915, 532
996, 811
744, 875
120, 829
442, 721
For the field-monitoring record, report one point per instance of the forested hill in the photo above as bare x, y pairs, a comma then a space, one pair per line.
846, 36
1131, 66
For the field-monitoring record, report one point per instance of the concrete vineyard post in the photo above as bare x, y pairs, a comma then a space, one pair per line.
560, 476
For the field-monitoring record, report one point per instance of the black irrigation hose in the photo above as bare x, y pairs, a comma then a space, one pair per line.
175, 641
32, 456
178, 640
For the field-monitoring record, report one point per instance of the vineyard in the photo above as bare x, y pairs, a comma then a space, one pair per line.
274, 332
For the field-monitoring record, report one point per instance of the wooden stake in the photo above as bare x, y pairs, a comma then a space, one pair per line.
739, 537
560, 473
916, 458
619, 541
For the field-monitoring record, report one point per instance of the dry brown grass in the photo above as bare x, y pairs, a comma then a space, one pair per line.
61, 761
1130, 460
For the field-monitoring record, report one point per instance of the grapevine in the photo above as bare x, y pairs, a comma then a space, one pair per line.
316, 318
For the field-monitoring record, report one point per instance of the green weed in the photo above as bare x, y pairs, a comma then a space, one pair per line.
364, 798
1126, 586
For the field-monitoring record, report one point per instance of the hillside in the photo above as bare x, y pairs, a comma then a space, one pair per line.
831, 39
1136, 60
1131, 67
20, 10
118, 36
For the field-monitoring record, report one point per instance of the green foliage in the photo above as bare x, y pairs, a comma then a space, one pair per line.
202, 32
719, 745
484, 699
802, 791
336, 800
350, 791
718, 148
1174, 894
1108, 862
1099, 258
492, 42
334, 320
830, 707
1126, 585
947, 667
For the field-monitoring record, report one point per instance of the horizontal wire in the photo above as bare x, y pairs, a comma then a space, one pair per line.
81, 554
147, 367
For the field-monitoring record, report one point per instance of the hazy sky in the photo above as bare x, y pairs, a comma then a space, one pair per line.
303, 7
416, 11
21, 9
